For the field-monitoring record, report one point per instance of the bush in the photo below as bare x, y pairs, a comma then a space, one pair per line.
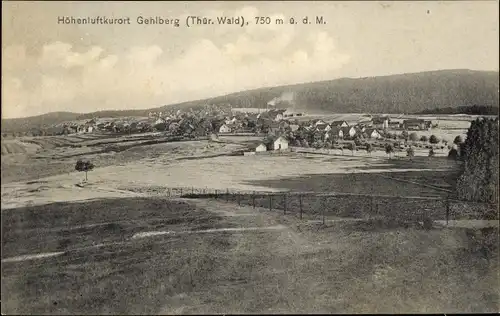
458, 140
424, 138
433, 139
410, 152
414, 136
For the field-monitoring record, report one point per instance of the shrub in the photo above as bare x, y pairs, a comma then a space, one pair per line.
414, 136
410, 152
458, 140
433, 139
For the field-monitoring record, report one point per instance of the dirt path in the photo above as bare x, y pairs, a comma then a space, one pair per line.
278, 249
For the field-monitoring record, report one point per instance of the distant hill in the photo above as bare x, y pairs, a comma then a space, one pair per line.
26, 123
406, 94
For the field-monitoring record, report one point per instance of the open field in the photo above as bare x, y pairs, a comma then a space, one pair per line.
15, 147
221, 258
57, 155
111, 247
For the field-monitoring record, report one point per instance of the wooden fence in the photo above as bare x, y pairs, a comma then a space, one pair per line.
323, 204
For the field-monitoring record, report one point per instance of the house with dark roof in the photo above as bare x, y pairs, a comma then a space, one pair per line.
339, 124
349, 131
381, 122
416, 124
372, 133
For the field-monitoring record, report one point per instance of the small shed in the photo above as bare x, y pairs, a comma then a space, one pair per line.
280, 143
260, 148
224, 129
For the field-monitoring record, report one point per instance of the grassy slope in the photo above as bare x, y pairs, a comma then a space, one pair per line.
308, 268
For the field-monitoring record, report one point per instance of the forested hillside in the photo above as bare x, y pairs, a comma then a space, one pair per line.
402, 94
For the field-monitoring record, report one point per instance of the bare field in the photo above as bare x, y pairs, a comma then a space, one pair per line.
167, 166
267, 263
50, 160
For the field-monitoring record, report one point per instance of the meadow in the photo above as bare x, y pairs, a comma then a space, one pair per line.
112, 246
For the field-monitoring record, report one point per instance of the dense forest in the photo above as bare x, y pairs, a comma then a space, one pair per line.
405, 93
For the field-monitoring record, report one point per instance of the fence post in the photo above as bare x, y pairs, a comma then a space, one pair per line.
447, 210
323, 208
270, 202
284, 204
253, 199
300, 203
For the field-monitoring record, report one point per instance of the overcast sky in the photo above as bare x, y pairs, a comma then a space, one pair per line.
83, 68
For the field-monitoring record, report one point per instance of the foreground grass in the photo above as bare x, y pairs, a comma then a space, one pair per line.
341, 267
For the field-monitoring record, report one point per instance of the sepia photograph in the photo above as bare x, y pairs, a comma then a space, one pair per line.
249, 157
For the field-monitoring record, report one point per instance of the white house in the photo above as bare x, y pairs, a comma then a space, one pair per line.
159, 121
90, 129
334, 132
381, 122
373, 133
224, 129
261, 148
339, 124
278, 117
319, 122
351, 131
280, 143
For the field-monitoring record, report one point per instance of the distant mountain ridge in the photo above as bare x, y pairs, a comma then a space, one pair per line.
404, 93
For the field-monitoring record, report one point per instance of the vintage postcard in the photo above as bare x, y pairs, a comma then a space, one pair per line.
239, 157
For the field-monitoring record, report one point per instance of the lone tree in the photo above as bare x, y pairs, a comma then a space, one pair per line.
85, 166
410, 152
413, 137
352, 148
389, 149
433, 139
404, 135
369, 148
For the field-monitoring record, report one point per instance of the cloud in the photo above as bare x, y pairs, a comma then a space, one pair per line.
145, 76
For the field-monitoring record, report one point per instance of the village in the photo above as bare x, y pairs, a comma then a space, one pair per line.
278, 128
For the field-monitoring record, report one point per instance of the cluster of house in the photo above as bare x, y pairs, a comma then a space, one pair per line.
374, 128
221, 119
